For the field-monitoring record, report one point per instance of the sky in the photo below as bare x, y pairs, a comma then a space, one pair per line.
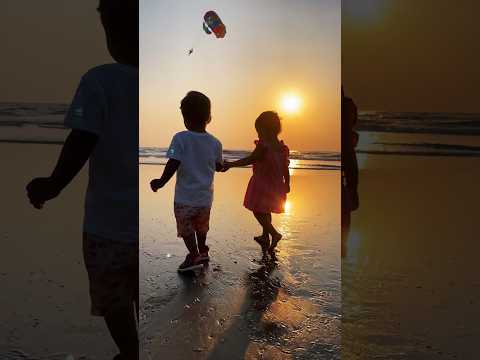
272, 48
46, 47
410, 55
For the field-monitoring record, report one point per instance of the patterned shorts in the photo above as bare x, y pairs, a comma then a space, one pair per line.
112, 268
191, 219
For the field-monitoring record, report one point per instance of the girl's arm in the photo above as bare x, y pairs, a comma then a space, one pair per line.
255, 156
286, 178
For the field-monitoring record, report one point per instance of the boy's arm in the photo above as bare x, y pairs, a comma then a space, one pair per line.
75, 153
170, 169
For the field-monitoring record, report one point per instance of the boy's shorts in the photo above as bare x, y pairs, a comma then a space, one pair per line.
112, 268
191, 219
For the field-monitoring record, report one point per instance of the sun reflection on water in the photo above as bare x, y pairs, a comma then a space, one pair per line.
288, 207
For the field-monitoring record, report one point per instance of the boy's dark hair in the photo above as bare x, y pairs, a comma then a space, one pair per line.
195, 108
122, 15
120, 19
268, 123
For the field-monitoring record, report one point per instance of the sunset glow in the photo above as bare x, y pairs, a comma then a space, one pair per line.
273, 62
291, 103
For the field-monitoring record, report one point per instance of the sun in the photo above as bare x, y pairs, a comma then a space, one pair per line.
291, 103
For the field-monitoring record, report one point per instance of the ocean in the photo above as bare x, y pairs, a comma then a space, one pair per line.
423, 134
396, 133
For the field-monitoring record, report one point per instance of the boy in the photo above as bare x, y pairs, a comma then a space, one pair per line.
103, 119
194, 155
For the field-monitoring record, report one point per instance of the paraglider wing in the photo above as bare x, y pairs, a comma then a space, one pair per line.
215, 24
206, 29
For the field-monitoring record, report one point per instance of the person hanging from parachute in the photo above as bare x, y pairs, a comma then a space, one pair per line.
212, 25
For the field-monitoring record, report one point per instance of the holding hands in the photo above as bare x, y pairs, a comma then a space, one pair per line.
224, 167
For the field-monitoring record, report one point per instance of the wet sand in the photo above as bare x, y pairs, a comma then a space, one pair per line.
44, 303
240, 307
410, 284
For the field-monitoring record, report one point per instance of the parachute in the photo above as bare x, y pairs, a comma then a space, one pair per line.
214, 24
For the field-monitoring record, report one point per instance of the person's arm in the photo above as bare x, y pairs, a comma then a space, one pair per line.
219, 163
255, 156
75, 153
170, 169
286, 178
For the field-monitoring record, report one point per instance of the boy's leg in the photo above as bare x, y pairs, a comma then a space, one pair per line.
113, 276
123, 327
202, 225
201, 240
184, 216
191, 244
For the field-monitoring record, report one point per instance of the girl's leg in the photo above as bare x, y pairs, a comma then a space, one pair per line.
264, 239
264, 222
276, 236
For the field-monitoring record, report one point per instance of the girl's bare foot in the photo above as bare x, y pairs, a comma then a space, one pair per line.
275, 239
264, 242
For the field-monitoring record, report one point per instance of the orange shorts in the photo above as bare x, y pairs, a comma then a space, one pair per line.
191, 220
112, 268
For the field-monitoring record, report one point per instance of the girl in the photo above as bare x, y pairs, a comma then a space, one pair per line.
270, 182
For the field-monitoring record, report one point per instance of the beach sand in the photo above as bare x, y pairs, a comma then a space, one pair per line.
410, 284
44, 302
239, 307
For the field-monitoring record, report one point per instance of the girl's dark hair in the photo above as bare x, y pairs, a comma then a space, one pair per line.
268, 123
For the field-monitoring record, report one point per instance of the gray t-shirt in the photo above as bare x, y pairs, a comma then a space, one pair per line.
106, 104
198, 154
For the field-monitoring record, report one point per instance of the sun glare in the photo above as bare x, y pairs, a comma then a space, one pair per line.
291, 103
288, 207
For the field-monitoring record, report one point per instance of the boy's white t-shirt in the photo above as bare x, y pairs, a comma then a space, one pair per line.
106, 104
198, 154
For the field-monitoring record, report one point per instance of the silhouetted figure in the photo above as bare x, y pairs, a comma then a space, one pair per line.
350, 201
194, 155
268, 187
103, 118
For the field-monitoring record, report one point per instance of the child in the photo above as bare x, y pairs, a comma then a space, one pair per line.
194, 155
103, 119
270, 183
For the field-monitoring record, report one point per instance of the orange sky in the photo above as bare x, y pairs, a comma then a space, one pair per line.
266, 53
411, 55
46, 47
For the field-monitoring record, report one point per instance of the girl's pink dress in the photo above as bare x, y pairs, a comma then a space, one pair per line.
266, 191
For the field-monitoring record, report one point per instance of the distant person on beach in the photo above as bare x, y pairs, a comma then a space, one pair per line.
270, 183
194, 155
350, 201
103, 118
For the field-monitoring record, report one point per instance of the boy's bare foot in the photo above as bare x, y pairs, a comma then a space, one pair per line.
275, 239
264, 242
